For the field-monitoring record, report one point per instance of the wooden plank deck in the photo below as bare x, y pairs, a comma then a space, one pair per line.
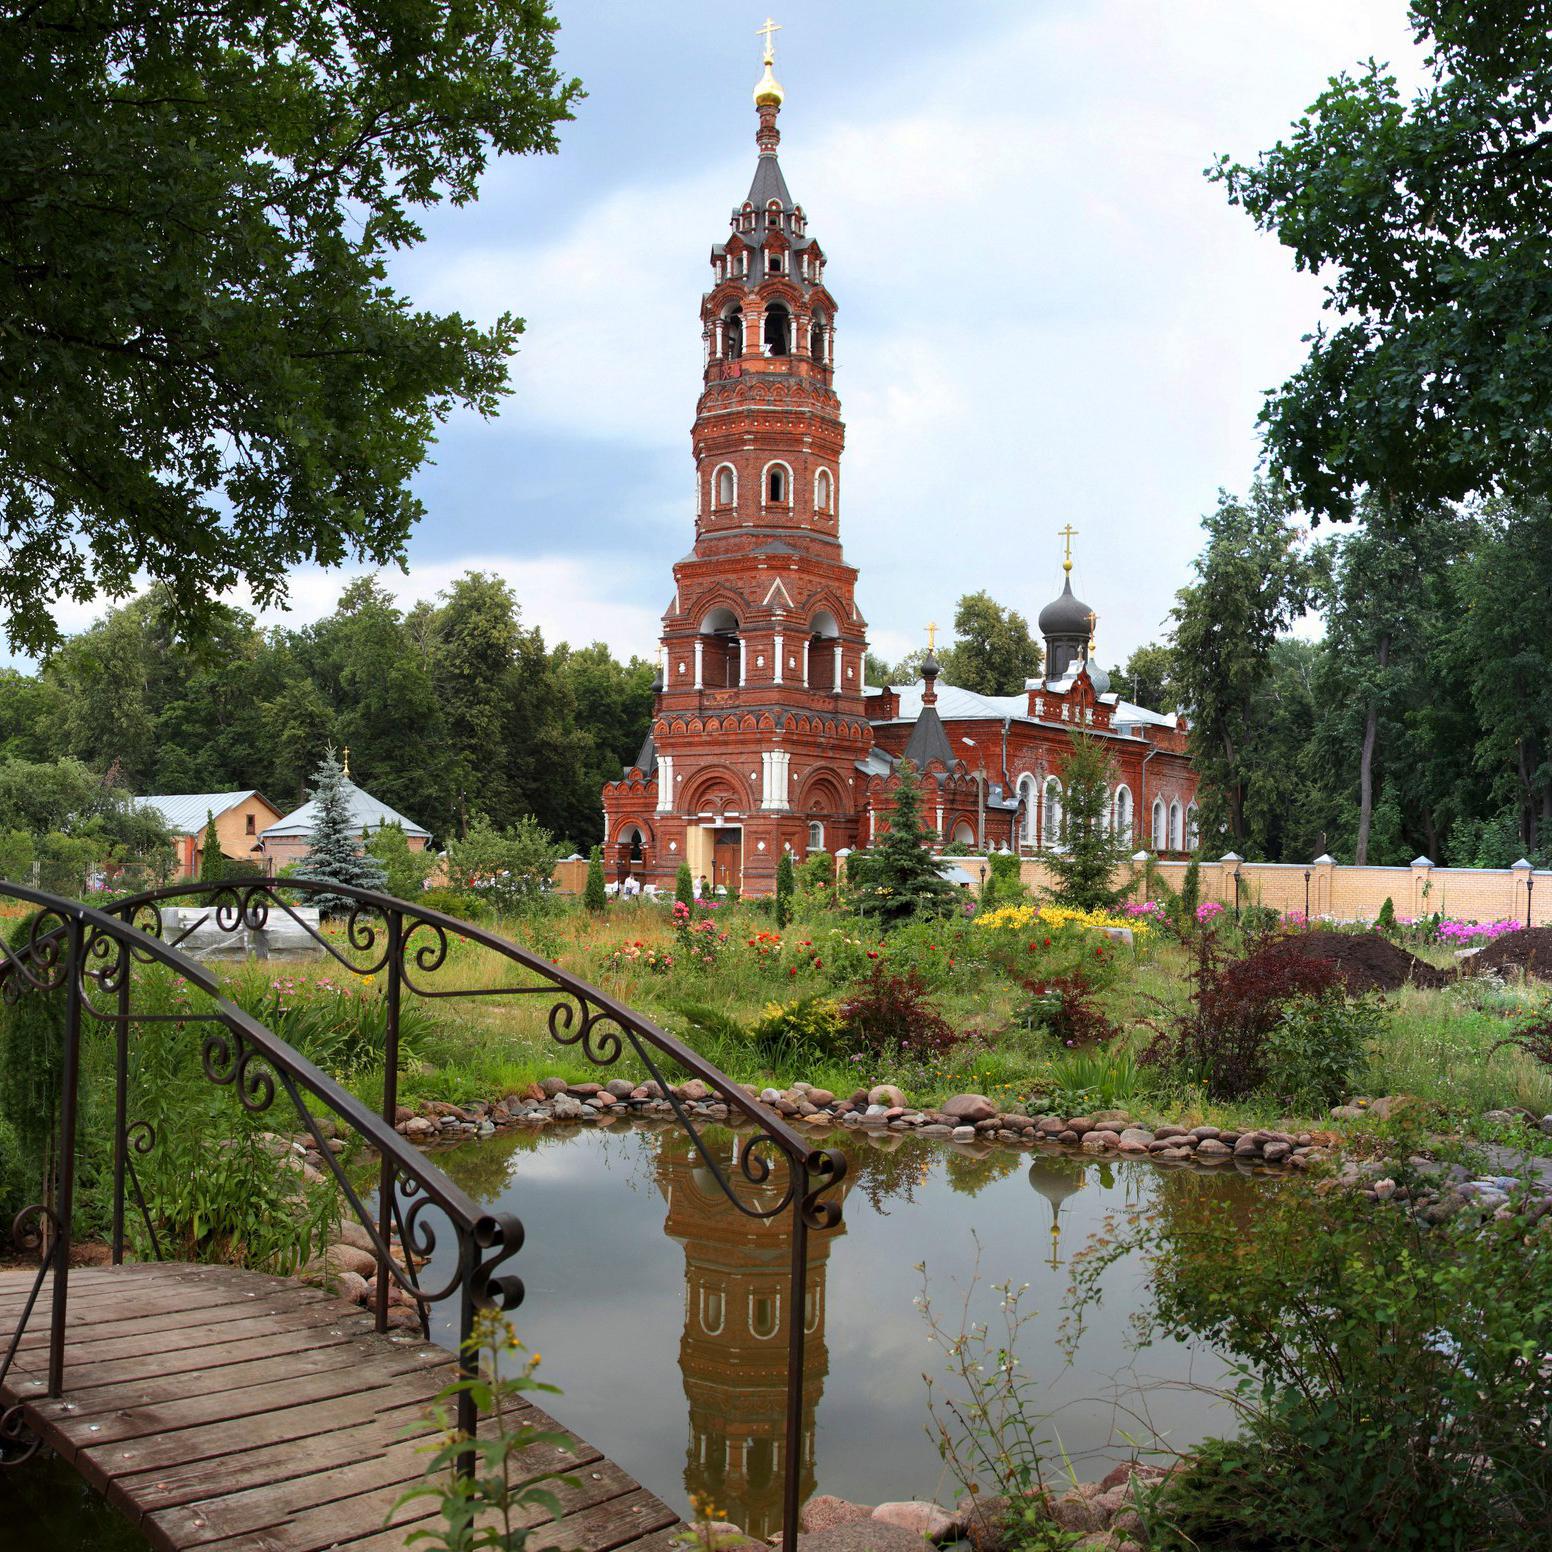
233, 1412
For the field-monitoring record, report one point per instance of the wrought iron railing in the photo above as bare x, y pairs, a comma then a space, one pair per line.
89, 956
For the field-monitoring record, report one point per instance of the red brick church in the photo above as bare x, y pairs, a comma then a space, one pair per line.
764, 736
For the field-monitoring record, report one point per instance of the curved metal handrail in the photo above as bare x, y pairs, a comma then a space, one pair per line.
91, 954
71, 948
586, 1016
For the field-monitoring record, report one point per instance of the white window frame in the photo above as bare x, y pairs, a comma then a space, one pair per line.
716, 477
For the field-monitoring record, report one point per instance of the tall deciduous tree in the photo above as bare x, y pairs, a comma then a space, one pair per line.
207, 377
1251, 584
1429, 219
1148, 679
993, 652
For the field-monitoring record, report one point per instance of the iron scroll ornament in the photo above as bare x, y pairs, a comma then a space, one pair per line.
581, 1016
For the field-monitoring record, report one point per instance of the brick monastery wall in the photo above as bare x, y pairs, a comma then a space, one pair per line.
1347, 893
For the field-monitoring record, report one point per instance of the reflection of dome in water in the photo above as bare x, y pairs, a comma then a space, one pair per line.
1056, 1180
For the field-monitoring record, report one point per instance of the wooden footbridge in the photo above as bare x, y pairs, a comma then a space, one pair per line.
221, 1408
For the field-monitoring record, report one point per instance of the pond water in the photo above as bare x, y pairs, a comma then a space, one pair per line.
662, 1312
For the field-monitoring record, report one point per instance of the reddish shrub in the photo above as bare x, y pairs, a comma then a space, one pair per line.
1220, 1040
895, 1012
1063, 1006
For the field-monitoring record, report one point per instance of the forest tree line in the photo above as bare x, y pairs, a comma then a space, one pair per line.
452, 709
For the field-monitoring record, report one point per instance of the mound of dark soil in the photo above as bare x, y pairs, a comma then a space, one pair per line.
1529, 949
1366, 961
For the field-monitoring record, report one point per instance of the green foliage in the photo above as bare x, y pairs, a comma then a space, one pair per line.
1251, 584
1087, 863
993, 652
786, 884
1317, 1050
1096, 1077
462, 903
1425, 215
789, 1033
593, 896
1004, 881
898, 878
31, 1057
1386, 920
684, 886
1390, 1371
404, 871
816, 875
508, 869
212, 861
496, 1503
336, 852
1181, 910
1148, 679
247, 392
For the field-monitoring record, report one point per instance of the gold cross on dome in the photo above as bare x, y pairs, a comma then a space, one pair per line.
932, 637
1067, 535
769, 31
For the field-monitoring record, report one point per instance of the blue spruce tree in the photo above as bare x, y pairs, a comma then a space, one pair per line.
336, 855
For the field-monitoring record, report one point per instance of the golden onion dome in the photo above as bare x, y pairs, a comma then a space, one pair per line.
769, 88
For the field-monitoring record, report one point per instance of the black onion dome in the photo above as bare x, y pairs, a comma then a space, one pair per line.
1065, 616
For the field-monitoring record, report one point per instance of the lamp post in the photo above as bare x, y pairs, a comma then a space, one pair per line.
1530, 884
1306, 899
982, 894
1236, 896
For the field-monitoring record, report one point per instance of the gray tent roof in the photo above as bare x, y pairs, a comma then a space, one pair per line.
366, 813
929, 741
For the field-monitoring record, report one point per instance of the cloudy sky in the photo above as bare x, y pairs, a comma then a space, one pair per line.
1046, 313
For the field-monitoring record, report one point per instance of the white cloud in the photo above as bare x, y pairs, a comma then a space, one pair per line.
1046, 313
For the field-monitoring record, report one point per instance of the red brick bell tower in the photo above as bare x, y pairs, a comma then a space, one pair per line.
759, 720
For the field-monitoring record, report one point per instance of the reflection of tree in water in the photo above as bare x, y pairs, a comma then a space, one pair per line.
970, 1173
733, 1354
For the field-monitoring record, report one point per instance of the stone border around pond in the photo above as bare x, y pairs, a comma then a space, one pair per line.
965, 1118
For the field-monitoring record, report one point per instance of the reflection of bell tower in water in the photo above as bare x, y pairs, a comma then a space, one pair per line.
737, 1309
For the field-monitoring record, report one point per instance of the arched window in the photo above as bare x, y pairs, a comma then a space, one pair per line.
1160, 836
727, 486
811, 1309
1193, 828
815, 835
816, 337
713, 1311
1052, 823
776, 484
733, 335
1176, 834
721, 653
1121, 812
823, 491
764, 1314
964, 833
773, 262
777, 337
1029, 794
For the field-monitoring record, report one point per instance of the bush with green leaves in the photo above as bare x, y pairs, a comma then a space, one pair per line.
1392, 1390
405, 871
816, 874
1318, 1048
465, 904
1004, 881
684, 886
510, 868
812, 1027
